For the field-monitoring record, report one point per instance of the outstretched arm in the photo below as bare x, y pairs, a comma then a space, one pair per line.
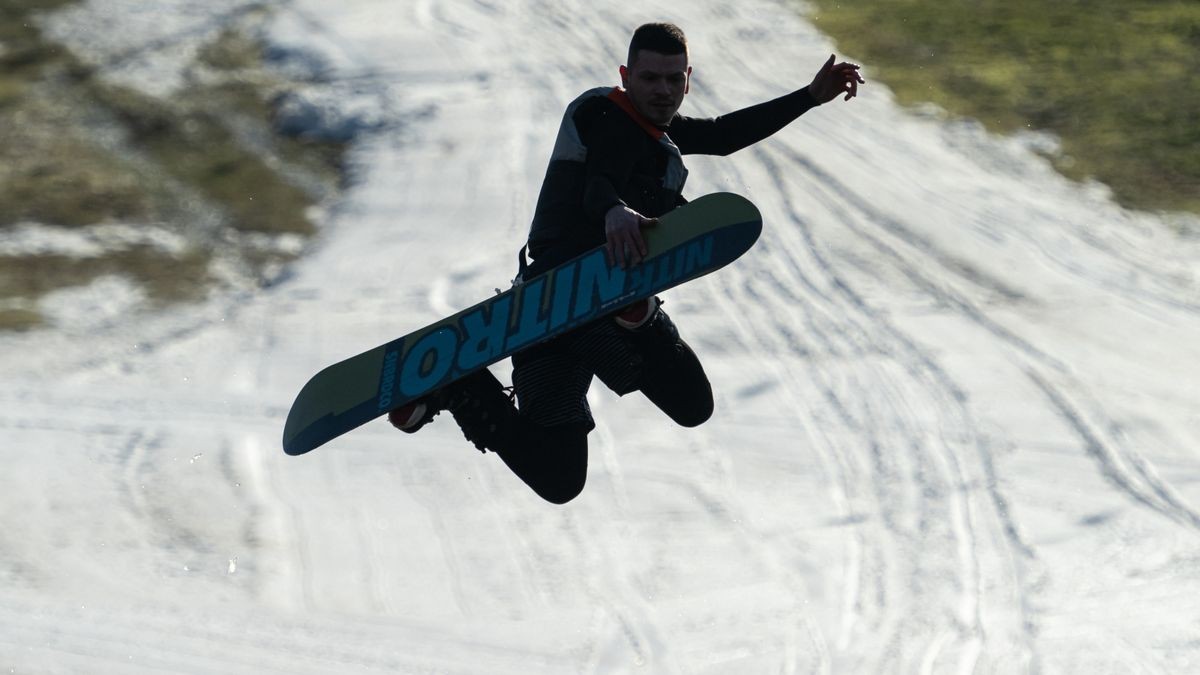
733, 131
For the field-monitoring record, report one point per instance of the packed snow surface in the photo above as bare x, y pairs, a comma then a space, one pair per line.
957, 421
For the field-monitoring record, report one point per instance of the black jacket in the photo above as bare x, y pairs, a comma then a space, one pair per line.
623, 163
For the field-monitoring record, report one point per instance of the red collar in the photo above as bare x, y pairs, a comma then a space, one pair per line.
618, 96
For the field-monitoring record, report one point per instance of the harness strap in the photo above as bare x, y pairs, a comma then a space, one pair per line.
522, 266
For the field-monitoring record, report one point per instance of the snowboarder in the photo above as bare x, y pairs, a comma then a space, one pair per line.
616, 166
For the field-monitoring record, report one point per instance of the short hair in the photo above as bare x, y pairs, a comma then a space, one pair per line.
662, 38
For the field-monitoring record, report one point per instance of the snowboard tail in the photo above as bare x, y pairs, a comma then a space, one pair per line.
689, 242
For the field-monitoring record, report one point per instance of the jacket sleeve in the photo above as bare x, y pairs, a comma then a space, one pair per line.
611, 153
733, 131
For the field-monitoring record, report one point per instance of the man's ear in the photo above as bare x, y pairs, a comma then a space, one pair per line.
687, 84
624, 77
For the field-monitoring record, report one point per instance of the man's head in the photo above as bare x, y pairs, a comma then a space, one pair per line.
657, 73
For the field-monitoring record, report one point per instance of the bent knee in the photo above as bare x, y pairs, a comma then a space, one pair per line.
687, 406
555, 465
562, 491
694, 415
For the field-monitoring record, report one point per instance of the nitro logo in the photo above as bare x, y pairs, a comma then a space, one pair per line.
388, 385
429, 361
569, 296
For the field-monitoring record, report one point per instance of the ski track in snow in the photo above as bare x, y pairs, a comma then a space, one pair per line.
956, 401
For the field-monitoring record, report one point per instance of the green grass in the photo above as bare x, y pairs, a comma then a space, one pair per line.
195, 147
50, 174
23, 43
19, 319
47, 173
165, 277
53, 171
1117, 80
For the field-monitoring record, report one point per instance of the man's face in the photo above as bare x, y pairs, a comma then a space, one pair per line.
656, 84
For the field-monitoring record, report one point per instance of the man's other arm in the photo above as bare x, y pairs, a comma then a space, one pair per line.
605, 130
733, 131
613, 143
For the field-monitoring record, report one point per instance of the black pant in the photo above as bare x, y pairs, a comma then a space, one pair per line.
552, 458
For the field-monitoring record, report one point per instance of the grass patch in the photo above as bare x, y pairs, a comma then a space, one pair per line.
196, 148
50, 174
47, 172
166, 278
20, 319
232, 52
245, 88
1117, 80
23, 44
77, 150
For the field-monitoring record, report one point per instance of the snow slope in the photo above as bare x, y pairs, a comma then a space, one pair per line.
956, 429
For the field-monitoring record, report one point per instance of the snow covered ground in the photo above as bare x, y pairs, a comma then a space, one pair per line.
957, 423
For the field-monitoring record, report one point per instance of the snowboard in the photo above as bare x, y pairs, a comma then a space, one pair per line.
689, 242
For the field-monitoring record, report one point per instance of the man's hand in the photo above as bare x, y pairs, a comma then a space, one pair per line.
832, 80
623, 229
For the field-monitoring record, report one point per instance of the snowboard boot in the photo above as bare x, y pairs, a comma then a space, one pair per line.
484, 411
482, 407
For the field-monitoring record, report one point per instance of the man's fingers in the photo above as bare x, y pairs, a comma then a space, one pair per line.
625, 244
626, 250
614, 248
641, 239
639, 246
635, 248
848, 70
630, 250
850, 79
